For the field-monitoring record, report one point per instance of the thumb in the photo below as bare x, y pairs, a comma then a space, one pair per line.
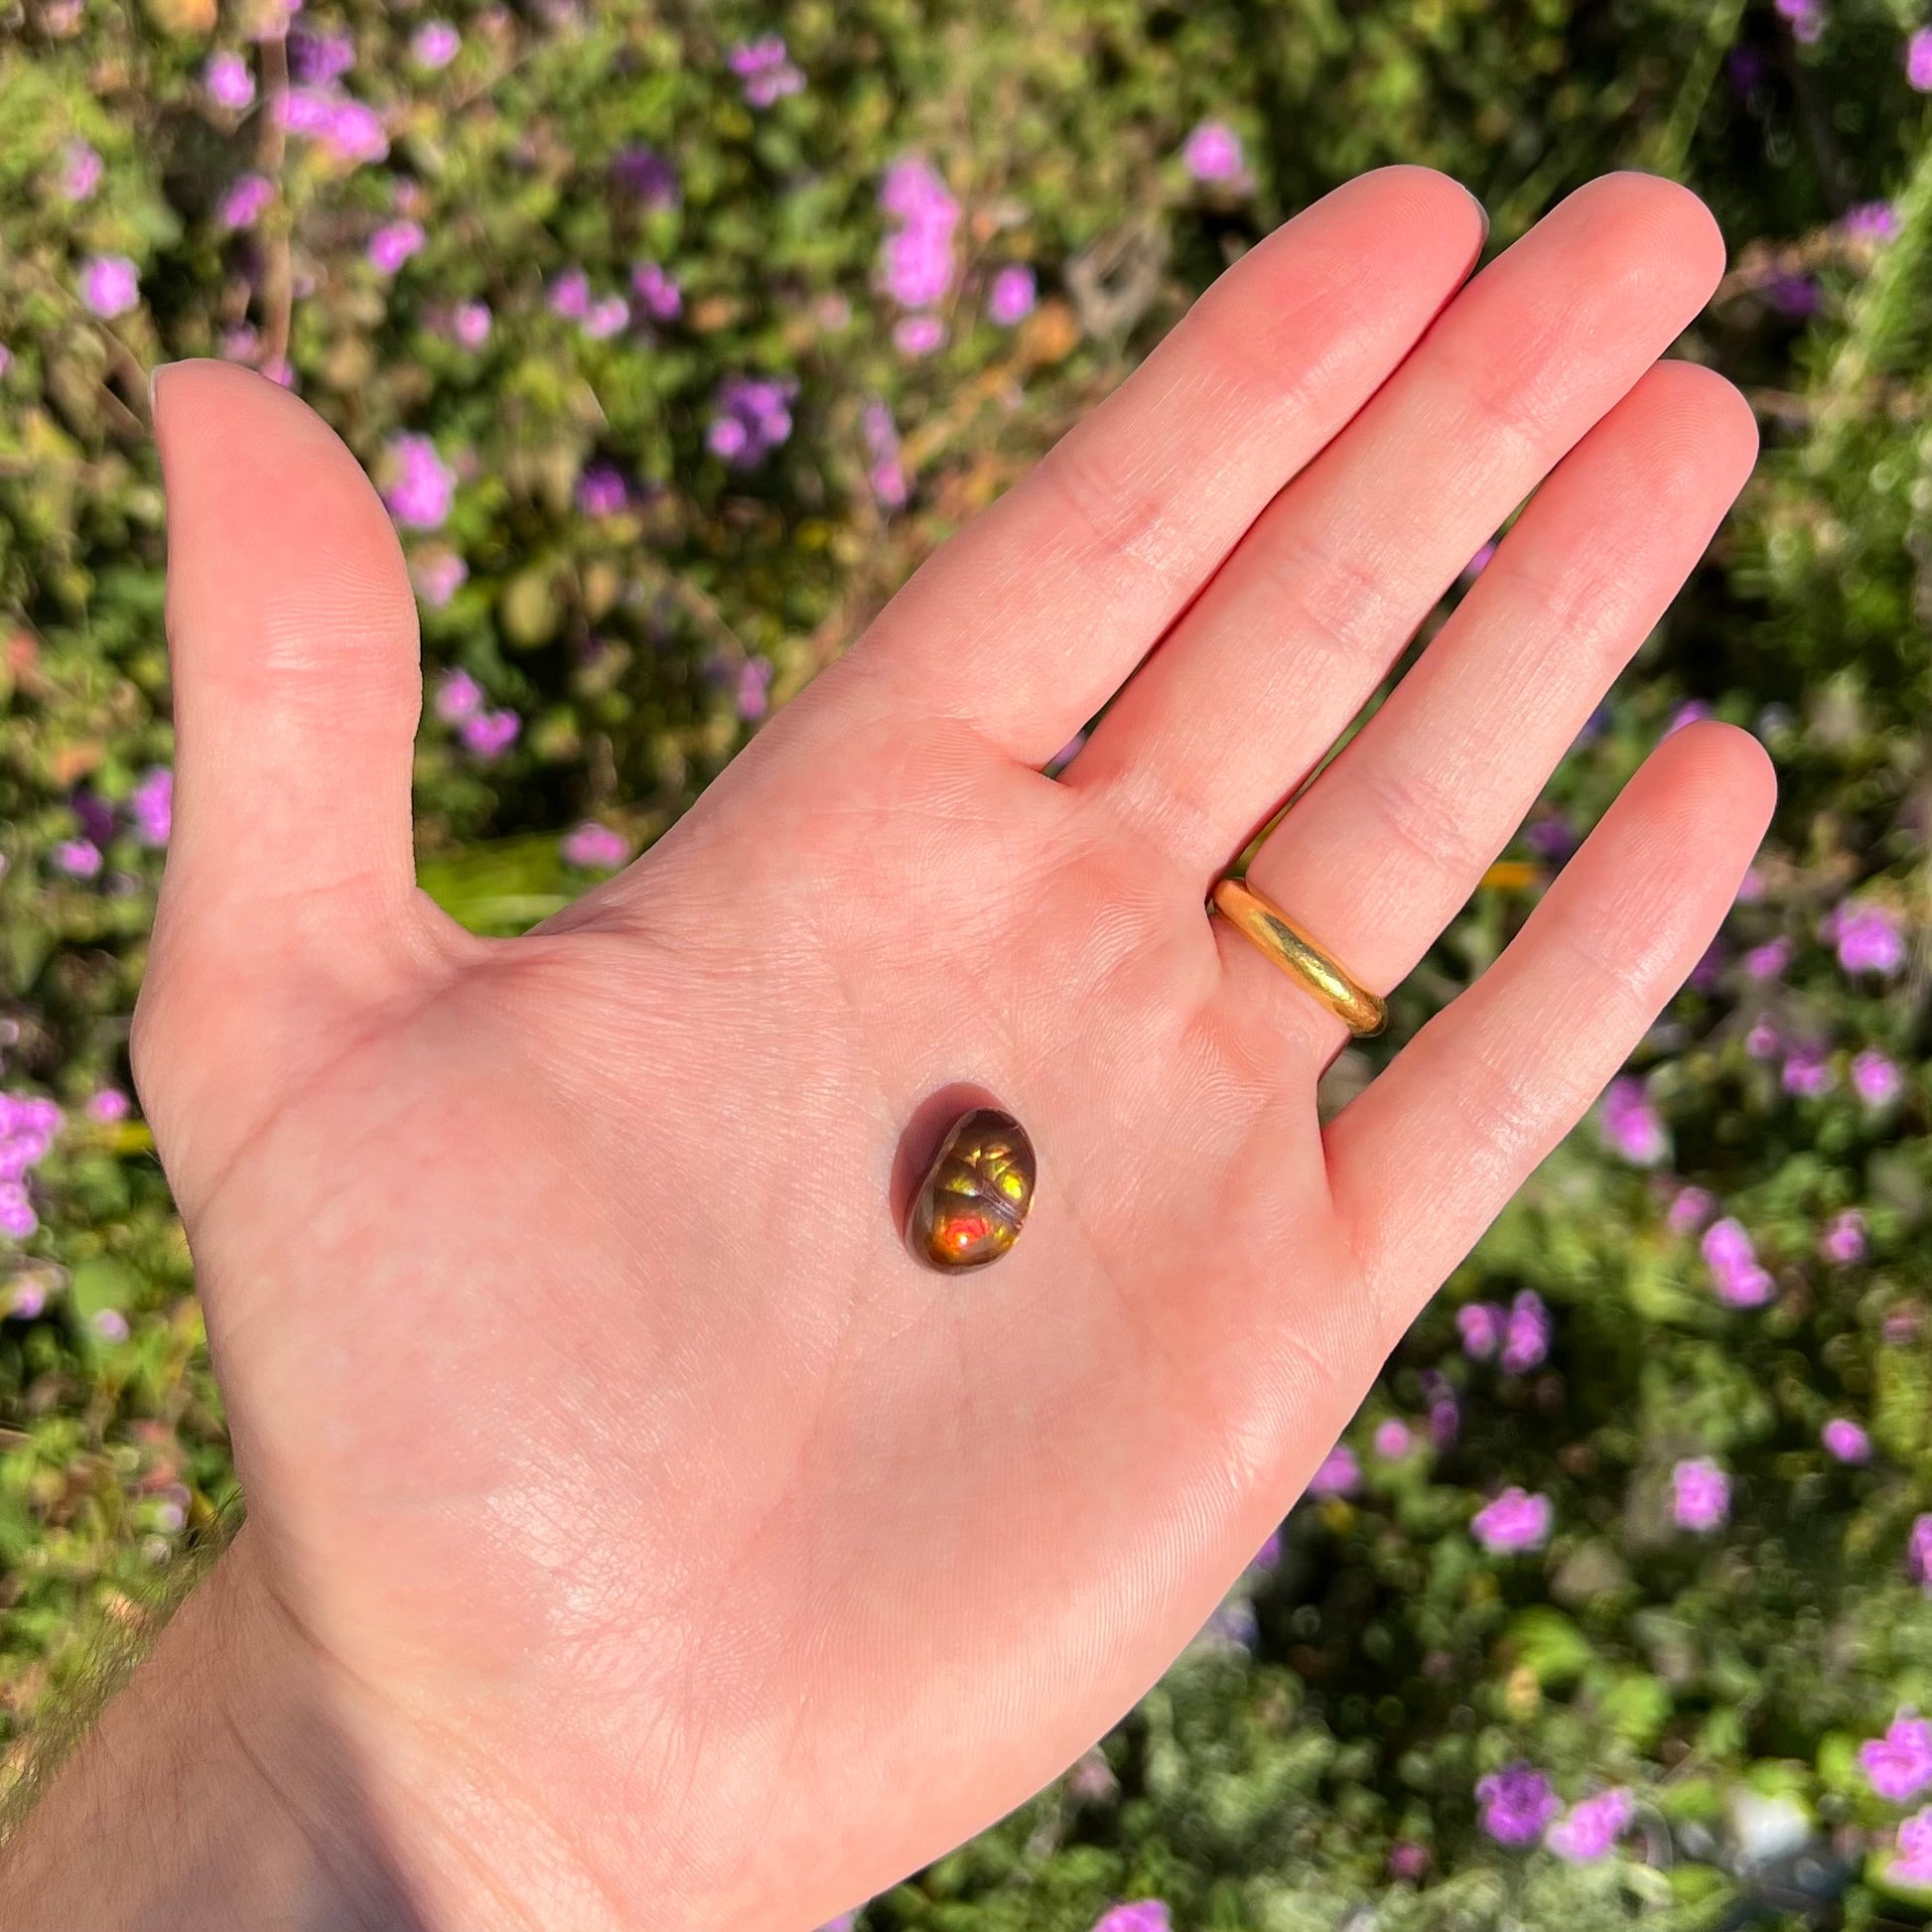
292, 638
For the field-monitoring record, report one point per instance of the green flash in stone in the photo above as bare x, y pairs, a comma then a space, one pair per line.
973, 1202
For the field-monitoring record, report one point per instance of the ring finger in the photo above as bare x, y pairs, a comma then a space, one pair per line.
1394, 835
1260, 677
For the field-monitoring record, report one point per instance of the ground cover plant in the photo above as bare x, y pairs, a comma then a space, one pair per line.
675, 335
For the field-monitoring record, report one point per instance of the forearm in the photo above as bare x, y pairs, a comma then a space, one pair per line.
212, 1793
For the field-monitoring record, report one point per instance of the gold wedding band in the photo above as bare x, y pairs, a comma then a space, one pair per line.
1276, 935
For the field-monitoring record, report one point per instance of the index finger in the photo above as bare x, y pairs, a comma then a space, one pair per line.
1026, 623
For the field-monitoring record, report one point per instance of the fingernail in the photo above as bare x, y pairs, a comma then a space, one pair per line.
154, 385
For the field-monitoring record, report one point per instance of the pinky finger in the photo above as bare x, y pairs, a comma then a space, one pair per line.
1429, 1154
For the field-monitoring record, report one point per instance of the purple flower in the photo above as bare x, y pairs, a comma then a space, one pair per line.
1700, 1495
110, 285
1552, 838
1898, 1765
26, 1129
750, 694
317, 58
490, 734
1012, 295
1845, 1440
602, 491
1270, 1552
1768, 961
227, 82
393, 244
1806, 18
438, 576
80, 171
435, 44
1342, 1476
1142, 1915
110, 1325
151, 805
1808, 1073
766, 69
1526, 1334
606, 317
1762, 1041
1212, 152
1871, 938
351, 130
912, 192
470, 324
570, 295
917, 264
1481, 1325
1690, 1209
1913, 1864
1514, 1522
751, 417
1844, 1238
27, 1297
1393, 1441
917, 258
591, 847
1517, 1804
458, 696
241, 205
1408, 1860
1630, 1125
1592, 1827
97, 817
643, 174
354, 133
917, 335
655, 289
1873, 222
1874, 1078
1485, 555
425, 485
16, 1217
888, 473
1918, 60
1918, 1553
77, 858
6, 358
1728, 1252
1444, 1421
1794, 295
107, 1105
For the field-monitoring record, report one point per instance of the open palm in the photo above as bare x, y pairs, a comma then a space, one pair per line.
679, 1550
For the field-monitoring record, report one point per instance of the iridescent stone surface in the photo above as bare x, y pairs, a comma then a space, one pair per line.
973, 1202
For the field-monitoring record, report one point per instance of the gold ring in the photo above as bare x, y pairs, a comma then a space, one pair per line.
1298, 955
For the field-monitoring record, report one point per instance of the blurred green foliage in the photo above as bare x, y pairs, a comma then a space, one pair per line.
1313, 1760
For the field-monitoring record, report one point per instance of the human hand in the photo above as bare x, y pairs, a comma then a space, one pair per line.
669, 1545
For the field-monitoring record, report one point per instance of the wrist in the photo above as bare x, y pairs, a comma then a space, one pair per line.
222, 1782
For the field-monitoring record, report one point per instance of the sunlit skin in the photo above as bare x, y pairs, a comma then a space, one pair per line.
677, 1560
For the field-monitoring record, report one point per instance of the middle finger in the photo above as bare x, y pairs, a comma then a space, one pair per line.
1259, 678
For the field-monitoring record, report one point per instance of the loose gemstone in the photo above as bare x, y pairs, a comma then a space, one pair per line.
973, 1202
